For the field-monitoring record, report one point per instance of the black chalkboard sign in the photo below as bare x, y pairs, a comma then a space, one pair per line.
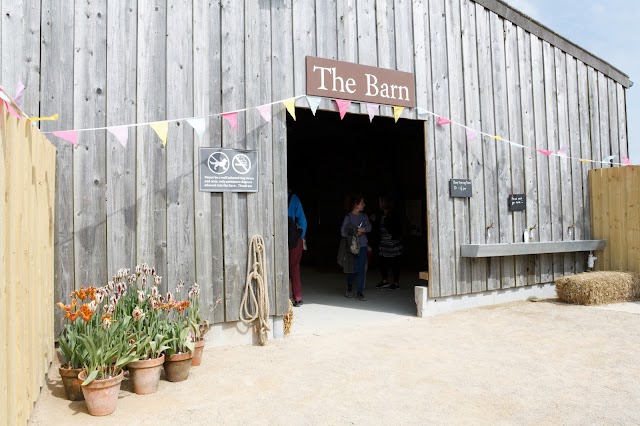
517, 202
460, 188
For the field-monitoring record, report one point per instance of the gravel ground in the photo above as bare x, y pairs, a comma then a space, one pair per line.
520, 363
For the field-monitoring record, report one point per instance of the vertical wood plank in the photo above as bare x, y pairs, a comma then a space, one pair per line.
475, 163
542, 161
487, 117
594, 117
458, 142
121, 161
207, 205
5, 242
282, 88
564, 142
304, 42
151, 170
258, 91
597, 225
576, 171
619, 223
585, 145
525, 66
443, 170
622, 121
347, 35
505, 219
367, 42
385, 21
613, 121
633, 218
57, 96
603, 106
89, 165
421, 28
514, 107
404, 42
326, 38
552, 145
234, 205
179, 149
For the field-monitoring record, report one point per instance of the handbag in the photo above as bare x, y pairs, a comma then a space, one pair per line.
354, 244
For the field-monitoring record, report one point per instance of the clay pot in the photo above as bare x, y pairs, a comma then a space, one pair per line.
101, 395
176, 367
145, 375
72, 383
197, 353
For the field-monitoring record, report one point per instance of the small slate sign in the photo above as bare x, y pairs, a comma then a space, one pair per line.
228, 170
460, 188
517, 202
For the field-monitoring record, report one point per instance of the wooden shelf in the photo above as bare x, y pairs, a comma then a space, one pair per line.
424, 275
517, 249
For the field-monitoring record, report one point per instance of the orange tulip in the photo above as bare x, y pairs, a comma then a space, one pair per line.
85, 312
81, 294
72, 316
67, 308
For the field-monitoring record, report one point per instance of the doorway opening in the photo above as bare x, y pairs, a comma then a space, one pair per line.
328, 159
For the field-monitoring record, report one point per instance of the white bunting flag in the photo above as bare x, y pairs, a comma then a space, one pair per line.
265, 112
313, 102
121, 133
199, 125
422, 113
471, 135
371, 109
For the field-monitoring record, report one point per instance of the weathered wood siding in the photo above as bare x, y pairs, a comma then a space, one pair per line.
102, 64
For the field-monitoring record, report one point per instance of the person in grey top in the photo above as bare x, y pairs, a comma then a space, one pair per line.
359, 222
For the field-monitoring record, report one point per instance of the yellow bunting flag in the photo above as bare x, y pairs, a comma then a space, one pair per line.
50, 118
161, 128
291, 107
397, 112
498, 138
582, 160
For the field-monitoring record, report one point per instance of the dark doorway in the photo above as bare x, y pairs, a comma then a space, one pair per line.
328, 158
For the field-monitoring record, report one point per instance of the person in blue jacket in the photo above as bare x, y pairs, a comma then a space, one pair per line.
296, 213
358, 220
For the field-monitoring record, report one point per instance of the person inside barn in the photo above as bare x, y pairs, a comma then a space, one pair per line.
389, 231
359, 221
296, 234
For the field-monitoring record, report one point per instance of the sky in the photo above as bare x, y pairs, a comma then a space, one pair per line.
608, 30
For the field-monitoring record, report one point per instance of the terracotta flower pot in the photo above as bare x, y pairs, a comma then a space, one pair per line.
197, 353
177, 366
72, 383
145, 375
101, 395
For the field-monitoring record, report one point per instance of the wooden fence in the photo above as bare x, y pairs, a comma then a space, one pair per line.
615, 217
27, 182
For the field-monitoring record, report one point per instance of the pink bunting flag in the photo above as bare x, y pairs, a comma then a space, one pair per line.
19, 92
471, 135
232, 118
68, 135
626, 161
11, 110
343, 106
371, 110
545, 152
265, 112
121, 133
442, 121
562, 151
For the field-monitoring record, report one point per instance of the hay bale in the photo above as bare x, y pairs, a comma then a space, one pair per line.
599, 288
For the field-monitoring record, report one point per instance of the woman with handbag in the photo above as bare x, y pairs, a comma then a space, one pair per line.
355, 227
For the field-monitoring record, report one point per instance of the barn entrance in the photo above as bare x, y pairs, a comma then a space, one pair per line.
328, 158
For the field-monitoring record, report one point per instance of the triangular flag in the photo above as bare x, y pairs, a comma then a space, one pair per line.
199, 124
314, 103
397, 112
582, 160
68, 135
121, 133
161, 128
609, 158
12, 111
343, 106
498, 138
19, 92
291, 107
422, 113
471, 135
232, 118
265, 112
516, 145
371, 109
545, 152
562, 151
626, 161
53, 117
442, 121
4, 96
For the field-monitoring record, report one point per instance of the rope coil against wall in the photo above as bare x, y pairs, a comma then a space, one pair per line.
258, 306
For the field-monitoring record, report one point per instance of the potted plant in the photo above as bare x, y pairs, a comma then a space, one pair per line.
179, 355
71, 353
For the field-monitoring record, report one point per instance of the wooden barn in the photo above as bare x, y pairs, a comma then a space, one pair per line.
539, 113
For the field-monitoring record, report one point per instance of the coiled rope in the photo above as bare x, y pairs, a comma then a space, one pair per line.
257, 308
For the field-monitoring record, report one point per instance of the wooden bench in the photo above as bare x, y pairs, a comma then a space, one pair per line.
517, 249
